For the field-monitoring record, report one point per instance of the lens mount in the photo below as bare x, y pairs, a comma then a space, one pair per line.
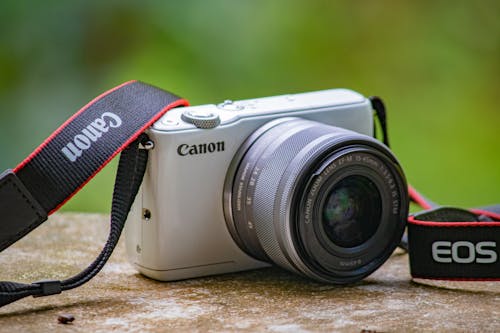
315, 199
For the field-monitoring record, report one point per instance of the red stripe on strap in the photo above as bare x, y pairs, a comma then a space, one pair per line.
412, 220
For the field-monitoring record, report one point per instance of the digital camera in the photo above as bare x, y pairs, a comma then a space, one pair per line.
295, 180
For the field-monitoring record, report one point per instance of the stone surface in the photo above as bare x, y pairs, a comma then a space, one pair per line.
263, 300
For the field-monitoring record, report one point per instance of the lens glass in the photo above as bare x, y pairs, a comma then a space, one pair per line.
352, 211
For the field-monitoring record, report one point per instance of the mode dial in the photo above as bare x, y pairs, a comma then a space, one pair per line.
201, 118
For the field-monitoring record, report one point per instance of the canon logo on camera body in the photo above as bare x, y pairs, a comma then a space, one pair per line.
464, 252
202, 148
83, 141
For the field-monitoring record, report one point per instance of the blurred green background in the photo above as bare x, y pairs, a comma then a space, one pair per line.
435, 63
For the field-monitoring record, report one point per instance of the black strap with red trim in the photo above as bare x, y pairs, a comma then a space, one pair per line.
76, 151
454, 244
447, 243
68, 159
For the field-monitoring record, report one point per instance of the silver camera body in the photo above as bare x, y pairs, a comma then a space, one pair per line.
178, 228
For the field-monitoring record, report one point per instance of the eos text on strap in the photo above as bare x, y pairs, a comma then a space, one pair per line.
455, 244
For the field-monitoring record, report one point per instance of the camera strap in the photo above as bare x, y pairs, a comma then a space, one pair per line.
113, 122
446, 243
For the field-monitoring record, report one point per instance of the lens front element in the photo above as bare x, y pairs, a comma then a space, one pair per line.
351, 212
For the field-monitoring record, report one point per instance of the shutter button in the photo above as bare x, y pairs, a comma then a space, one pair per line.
229, 105
201, 118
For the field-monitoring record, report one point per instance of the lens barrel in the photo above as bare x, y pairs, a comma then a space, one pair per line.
322, 201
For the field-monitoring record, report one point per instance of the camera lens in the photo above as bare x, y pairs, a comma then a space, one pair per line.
351, 211
318, 200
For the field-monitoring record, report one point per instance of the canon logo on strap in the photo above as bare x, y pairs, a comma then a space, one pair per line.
83, 141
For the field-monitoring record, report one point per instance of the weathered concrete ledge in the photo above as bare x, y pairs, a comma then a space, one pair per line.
263, 300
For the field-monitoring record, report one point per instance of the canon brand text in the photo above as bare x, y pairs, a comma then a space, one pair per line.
202, 148
83, 141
